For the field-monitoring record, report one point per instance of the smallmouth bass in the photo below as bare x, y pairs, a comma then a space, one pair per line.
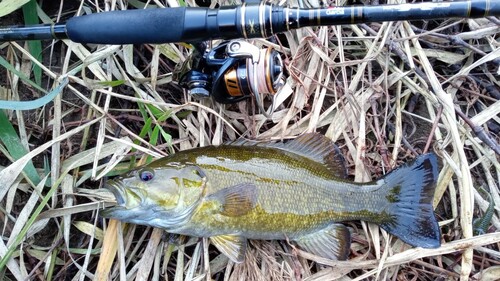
295, 190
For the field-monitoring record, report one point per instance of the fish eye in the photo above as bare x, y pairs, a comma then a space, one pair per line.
146, 175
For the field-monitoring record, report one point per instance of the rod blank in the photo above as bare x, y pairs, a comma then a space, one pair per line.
33, 32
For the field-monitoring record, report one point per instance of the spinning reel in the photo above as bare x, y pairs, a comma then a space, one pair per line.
231, 72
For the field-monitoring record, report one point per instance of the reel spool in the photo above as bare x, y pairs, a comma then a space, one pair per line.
269, 71
233, 71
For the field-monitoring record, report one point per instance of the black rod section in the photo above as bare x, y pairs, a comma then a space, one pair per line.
249, 20
33, 32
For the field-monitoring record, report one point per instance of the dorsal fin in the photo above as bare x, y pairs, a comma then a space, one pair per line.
318, 148
313, 146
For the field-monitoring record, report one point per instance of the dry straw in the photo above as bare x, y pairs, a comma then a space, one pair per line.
384, 92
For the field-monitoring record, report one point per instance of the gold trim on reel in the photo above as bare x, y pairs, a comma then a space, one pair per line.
269, 70
233, 71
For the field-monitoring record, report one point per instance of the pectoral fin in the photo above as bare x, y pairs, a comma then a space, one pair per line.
236, 200
232, 246
332, 242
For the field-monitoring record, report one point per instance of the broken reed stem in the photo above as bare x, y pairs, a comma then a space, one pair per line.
433, 129
109, 249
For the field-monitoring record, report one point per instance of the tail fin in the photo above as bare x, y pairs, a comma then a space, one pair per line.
410, 190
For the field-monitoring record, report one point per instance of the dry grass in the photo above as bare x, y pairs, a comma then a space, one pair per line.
384, 92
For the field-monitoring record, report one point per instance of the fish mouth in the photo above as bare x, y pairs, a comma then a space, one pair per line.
117, 191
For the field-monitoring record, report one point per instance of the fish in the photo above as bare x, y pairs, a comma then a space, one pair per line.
296, 190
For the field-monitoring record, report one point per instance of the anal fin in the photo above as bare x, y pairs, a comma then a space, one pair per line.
332, 242
233, 246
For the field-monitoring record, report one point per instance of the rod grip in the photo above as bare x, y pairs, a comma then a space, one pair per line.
128, 27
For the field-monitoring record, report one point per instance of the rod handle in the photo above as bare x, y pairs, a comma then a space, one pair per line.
128, 27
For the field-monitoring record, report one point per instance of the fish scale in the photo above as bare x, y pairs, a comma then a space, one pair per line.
296, 190
281, 189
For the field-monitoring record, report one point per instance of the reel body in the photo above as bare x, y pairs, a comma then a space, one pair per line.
231, 72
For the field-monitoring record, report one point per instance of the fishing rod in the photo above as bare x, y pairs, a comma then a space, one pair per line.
235, 69
249, 20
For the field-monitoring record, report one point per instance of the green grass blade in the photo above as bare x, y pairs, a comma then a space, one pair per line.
153, 140
35, 47
10, 139
28, 105
112, 83
23, 77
